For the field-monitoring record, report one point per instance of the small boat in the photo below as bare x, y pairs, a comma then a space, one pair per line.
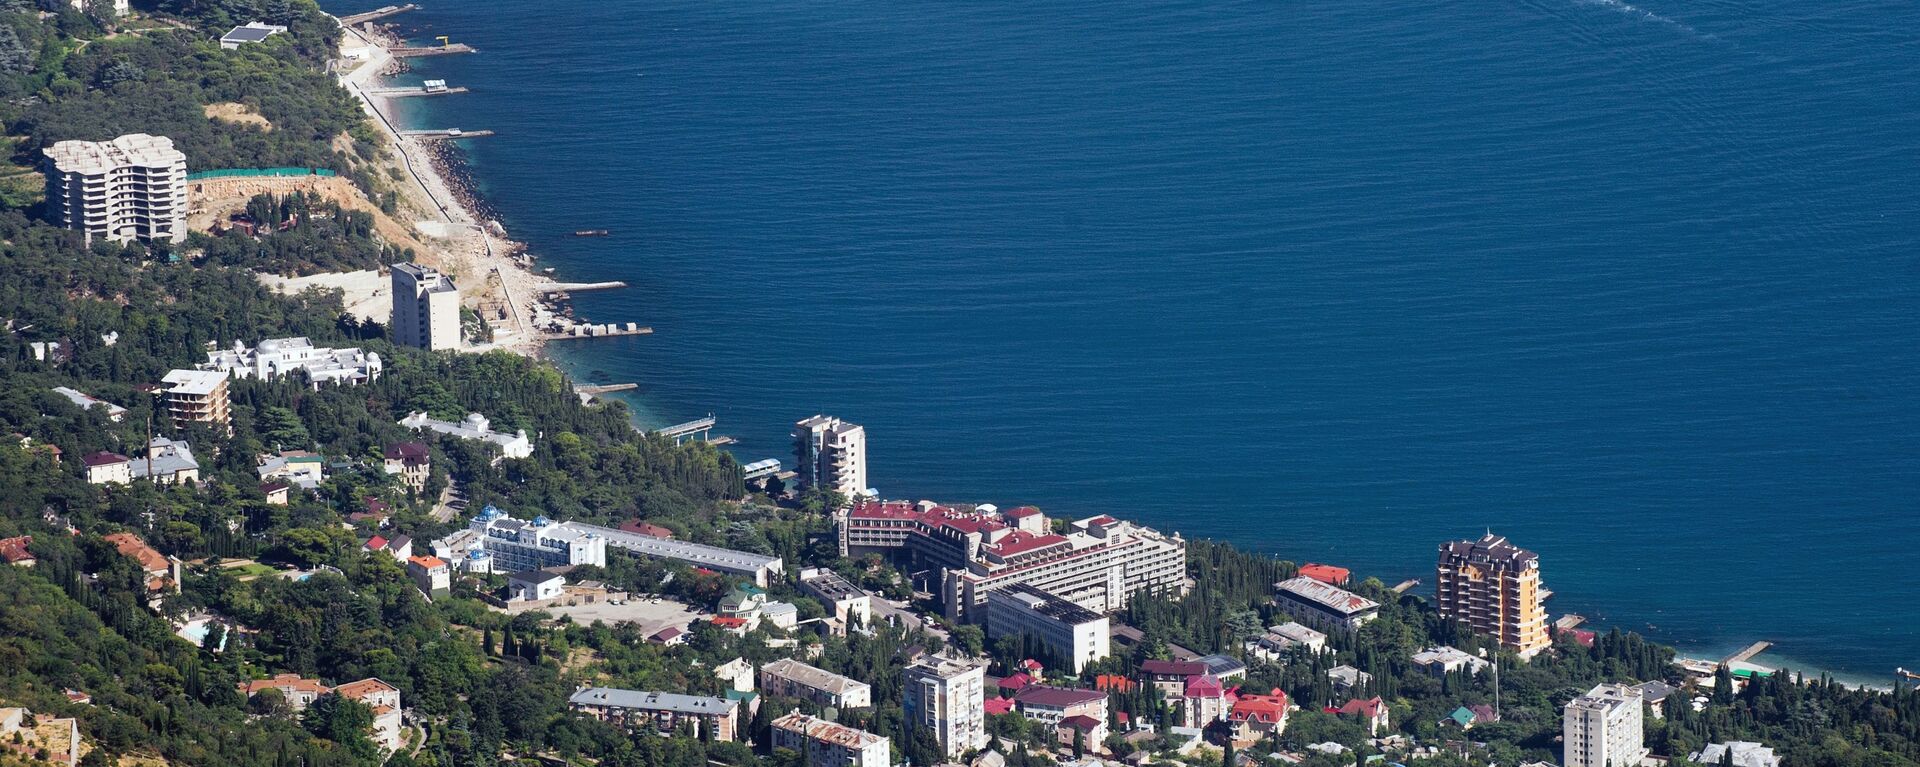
591, 233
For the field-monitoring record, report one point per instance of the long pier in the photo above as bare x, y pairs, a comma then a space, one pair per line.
397, 93
697, 428
604, 330
1746, 653
406, 52
604, 388
1569, 622
447, 134
1406, 585
574, 287
376, 14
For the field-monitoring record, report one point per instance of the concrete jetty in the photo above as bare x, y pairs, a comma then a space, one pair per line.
575, 287
397, 93
448, 133
1746, 653
604, 388
599, 330
376, 14
406, 52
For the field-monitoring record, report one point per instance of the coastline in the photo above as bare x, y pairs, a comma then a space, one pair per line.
461, 208
466, 238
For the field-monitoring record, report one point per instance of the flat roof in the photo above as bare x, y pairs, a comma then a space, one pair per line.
1326, 595
652, 701
712, 557
131, 150
194, 382
1046, 604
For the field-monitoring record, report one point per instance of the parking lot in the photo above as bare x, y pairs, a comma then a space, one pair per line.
651, 617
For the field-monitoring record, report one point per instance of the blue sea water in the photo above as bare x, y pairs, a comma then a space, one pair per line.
1630, 283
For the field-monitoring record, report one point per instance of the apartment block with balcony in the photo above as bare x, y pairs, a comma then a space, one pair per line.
948, 697
661, 712
1493, 588
1603, 728
426, 308
790, 678
826, 744
131, 188
832, 454
197, 396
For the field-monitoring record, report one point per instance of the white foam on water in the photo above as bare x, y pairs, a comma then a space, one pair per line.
1629, 9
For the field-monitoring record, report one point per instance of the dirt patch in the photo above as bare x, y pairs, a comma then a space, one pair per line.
238, 114
213, 200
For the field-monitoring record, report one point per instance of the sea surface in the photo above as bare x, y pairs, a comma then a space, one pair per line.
1633, 284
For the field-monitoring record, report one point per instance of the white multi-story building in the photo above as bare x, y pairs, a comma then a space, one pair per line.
1603, 728
1098, 564
426, 308
475, 427
826, 744
514, 545
948, 697
384, 699
197, 396
131, 188
791, 678
832, 454
278, 357
1078, 635
850, 605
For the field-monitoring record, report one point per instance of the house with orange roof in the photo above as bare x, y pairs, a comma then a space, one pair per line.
299, 691
1371, 712
431, 574
384, 699
163, 572
14, 551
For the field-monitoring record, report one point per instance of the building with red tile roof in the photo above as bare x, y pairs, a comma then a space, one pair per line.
14, 551
648, 529
298, 691
1371, 712
1328, 574
1255, 716
160, 569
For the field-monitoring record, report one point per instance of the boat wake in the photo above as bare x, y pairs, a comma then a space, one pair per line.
1628, 9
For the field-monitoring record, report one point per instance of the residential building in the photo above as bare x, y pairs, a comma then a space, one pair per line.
40, 739
426, 308
1082, 730
947, 696
475, 427
663, 712
1655, 694
277, 491
1076, 635
384, 699
737, 673
1444, 660
251, 32
131, 188
86, 401
669, 636
1603, 728
783, 615
13, 551
1203, 701
399, 547
1074, 714
535, 584
163, 572
826, 744
1493, 587
431, 574
792, 679
105, 468
166, 462
849, 604
1169, 677
277, 358
1741, 753
298, 691
298, 467
1323, 605
1347, 678
1254, 717
1280, 641
1370, 712
411, 461
197, 396
832, 455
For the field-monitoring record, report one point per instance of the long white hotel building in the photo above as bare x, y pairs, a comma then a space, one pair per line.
1098, 564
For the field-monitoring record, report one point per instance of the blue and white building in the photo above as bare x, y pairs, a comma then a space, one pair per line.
512, 545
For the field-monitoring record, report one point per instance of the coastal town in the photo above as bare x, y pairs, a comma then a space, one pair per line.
289, 483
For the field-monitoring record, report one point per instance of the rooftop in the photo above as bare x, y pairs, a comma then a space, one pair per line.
1047, 604
829, 732
1181, 668
652, 701
1326, 595
1491, 549
1047, 696
819, 679
195, 383
97, 157
536, 577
